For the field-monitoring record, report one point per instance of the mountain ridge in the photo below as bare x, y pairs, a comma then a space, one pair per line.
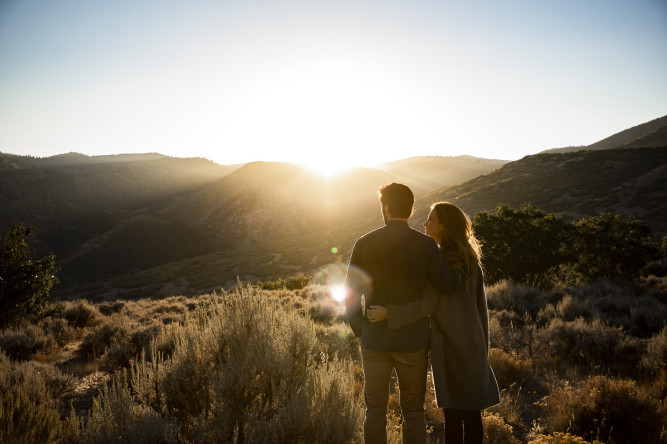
573, 185
633, 135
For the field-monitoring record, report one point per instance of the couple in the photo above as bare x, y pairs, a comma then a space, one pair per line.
397, 277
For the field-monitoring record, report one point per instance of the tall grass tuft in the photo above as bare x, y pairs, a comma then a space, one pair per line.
248, 370
30, 406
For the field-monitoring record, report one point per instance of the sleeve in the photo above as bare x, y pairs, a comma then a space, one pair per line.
356, 286
401, 315
482, 307
442, 276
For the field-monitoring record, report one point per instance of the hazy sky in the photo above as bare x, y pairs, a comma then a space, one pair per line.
356, 81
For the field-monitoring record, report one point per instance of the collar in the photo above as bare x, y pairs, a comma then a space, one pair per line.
397, 223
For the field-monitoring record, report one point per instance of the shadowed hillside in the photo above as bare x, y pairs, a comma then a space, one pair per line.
108, 215
264, 201
649, 134
426, 173
574, 185
104, 205
158, 226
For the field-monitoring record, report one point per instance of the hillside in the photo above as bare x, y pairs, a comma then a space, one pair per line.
80, 203
649, 134
108, 215
574, 185
266, 201
427, 173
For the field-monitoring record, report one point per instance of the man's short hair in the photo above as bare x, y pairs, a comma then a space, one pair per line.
399, 198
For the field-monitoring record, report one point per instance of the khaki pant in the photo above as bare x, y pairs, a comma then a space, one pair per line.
411, 371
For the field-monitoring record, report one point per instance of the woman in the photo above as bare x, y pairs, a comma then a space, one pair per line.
459, 348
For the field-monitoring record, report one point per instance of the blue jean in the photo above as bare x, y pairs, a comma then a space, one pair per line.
411, 371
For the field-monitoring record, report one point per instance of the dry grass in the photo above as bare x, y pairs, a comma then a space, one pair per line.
246, 365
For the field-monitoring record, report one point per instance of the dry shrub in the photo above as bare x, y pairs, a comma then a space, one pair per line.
117, 417
654, 360
102, 337
337, 340
58, 329
109, 308
325, 311
128, 344
612, 411
647, 316
506, 330
558, 438
496, 430
80, 313
247, 371
519, 298
22, 420
510, 369
24, 341
546, 314
433, 413
30, 407
570, 308
580, 342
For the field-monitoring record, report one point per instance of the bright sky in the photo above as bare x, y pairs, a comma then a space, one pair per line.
334, 81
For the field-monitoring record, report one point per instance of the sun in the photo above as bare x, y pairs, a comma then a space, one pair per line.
327, 167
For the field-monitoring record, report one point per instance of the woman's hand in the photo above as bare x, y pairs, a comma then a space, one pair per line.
376, 313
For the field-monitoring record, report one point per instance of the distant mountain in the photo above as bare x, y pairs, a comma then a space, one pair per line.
78, 159
79, 203
130, 227
263, 201
108, 215
650, 134
574, 185
426, 173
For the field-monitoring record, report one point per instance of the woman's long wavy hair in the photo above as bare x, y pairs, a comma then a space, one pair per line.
459, 246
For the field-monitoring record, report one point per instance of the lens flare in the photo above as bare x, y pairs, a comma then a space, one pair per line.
338, 292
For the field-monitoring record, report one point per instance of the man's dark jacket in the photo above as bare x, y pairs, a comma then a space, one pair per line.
391, 265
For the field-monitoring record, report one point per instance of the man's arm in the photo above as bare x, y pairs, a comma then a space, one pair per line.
401, 315
441, 275
356, 284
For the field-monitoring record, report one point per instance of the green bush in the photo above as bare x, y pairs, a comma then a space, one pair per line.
25, 281
611, 246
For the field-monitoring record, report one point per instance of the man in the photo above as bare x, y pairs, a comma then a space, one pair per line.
391, 265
